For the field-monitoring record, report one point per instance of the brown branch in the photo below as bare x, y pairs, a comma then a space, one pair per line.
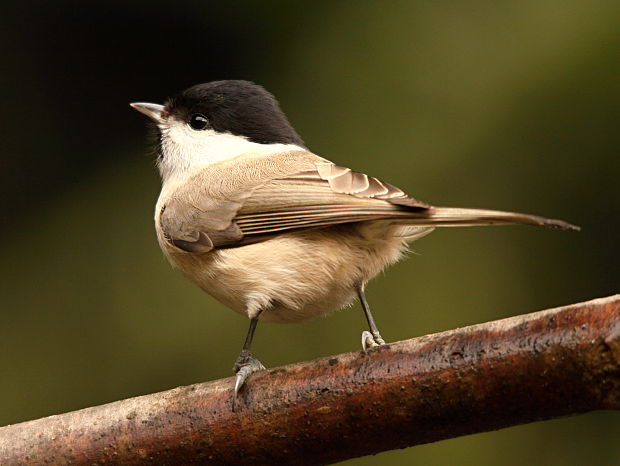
537, 366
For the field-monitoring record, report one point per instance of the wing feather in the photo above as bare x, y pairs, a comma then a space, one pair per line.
310, 195
249, 200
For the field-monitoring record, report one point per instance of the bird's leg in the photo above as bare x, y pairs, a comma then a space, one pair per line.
372, 338
245, 363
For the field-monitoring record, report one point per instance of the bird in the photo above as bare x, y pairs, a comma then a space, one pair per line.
270, 229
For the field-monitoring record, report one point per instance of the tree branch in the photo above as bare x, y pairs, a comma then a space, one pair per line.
537, 366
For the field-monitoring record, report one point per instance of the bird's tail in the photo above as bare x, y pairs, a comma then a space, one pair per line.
458, 217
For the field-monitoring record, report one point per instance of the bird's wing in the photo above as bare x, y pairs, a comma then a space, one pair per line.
252, 199
320, 196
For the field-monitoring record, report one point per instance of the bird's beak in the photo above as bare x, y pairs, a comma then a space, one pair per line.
153, 111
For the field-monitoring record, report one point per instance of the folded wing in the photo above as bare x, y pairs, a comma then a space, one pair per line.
315, 194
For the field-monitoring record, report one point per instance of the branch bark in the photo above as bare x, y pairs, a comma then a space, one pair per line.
537, 366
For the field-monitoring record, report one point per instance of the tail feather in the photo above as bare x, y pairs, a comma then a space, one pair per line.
458, 217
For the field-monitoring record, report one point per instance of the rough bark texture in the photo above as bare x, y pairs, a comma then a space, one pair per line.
537, 366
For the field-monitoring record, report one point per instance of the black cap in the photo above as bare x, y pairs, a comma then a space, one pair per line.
238, 107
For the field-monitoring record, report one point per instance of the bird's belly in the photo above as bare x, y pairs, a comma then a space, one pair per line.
294, 276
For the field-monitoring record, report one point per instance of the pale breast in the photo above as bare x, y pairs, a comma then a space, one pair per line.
295, 276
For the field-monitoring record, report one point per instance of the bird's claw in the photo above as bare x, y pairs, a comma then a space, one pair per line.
370, 341
243, 368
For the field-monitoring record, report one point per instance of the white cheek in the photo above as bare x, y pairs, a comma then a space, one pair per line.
185, 151
182, 145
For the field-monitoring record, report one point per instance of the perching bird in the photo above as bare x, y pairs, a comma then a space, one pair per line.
270, 229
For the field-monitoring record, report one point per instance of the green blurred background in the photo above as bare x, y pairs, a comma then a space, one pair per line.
512, 105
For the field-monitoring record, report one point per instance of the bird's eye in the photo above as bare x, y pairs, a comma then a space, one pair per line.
198, 121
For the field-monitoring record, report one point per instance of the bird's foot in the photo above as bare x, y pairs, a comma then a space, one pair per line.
245, 365
370, 340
